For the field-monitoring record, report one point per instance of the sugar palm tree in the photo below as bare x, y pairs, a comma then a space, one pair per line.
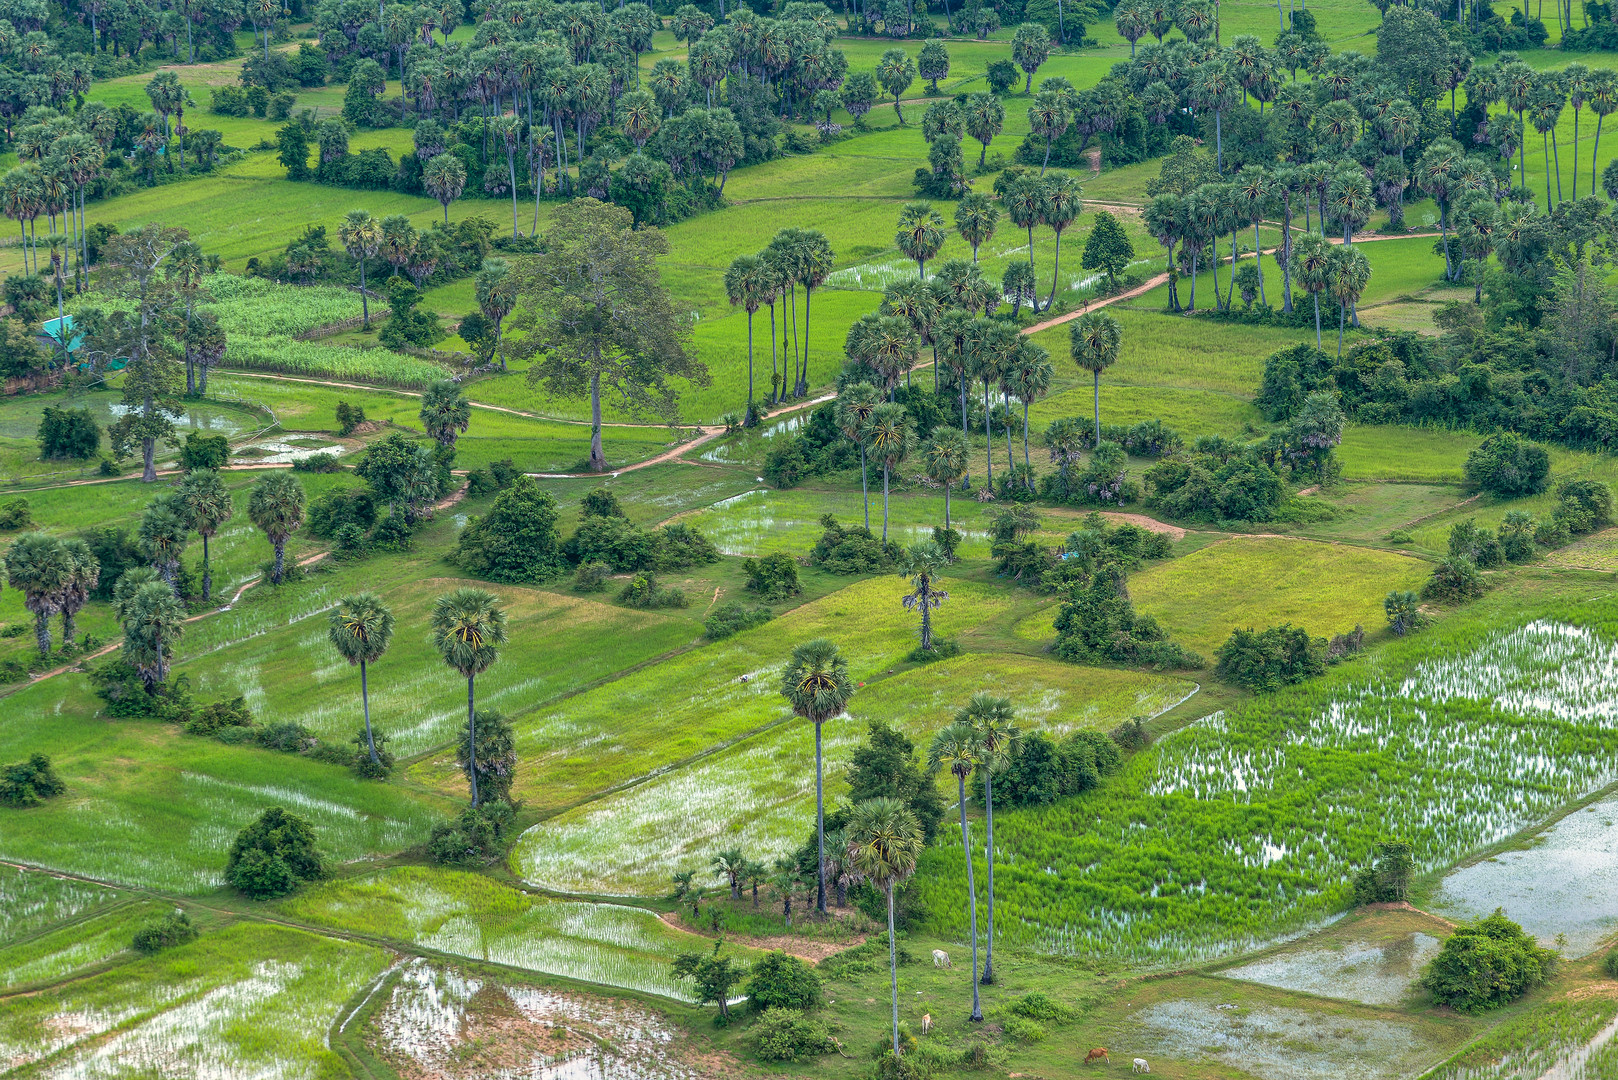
38, 567
921, 233
1602, 96
1347, 276
854, 408
976, 217
1028, 380
731, 865
1025, 205
361, 626
815, 261
208, 506
948, 456
276, 507
84, 572
991, 719
468, 628
816, 685
923, 564
361, 236
1095, 341
153, 621
884, 844
164, 527
496, 292
1311, 263
1065, 439
891, 439
445, 412
956, 748
1063, 204
747, 282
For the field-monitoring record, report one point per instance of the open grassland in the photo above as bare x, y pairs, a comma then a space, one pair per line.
757, 795
1255, 582
149, 805
1392, 452
249, 1000
702, 699
1259, 813
471, 915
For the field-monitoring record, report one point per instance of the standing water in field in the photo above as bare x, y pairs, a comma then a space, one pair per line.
1369, 972
1564, 882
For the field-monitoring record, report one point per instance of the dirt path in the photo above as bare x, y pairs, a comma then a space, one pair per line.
1162, 279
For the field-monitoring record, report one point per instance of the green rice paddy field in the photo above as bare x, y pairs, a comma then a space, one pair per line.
1174, 912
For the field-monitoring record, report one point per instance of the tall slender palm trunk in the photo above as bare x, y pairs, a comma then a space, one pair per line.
865, 490
471, 738
988, 850
893, 971
820, 827
365, 702
971, 894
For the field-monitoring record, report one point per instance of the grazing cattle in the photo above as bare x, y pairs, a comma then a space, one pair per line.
926, 1022
1098, 1054
940, 958
1140, 1066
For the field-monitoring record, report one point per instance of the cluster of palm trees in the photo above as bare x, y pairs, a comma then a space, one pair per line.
57, 161
793, 257
882, 841
55, 577
467, 627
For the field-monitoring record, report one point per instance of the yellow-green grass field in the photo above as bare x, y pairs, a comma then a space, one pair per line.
1257, 582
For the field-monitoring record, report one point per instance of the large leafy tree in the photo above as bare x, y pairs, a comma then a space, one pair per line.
1096, 339
208, 506
360, 628
955, 748
817, 686
884, 843
597, 316
468, 629
276, 508
40, 568
991, 720
131, 265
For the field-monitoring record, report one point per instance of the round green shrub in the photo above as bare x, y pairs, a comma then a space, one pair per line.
782, 981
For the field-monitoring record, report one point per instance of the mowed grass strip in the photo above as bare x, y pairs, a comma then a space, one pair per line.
758, 795
1261, 581
698, 701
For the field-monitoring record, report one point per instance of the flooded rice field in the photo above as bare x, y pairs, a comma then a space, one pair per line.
1373, 973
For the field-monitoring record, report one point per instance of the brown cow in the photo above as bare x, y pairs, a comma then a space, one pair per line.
1098, 1054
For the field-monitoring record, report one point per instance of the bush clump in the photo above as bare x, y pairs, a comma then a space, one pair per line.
1038, 770
29, 783
851, 550
1485, 965
15, 514
591, 577
274, 855
1038, 1006
175, 928
210, 719
515, 542
1025, 1030
643, 591
782, 981
787, 1035
1100, 623
1509, 466
1270, 659
1454, 580
733, 618
474, 838
774, 577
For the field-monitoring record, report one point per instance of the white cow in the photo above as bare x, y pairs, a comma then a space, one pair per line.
940, 958
1140, 1066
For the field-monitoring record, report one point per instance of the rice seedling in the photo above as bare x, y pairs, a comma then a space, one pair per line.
248, 1000
759, 795
31, 901
1250, 823
473, 916
1529, 1045
1374, 973
65, 949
